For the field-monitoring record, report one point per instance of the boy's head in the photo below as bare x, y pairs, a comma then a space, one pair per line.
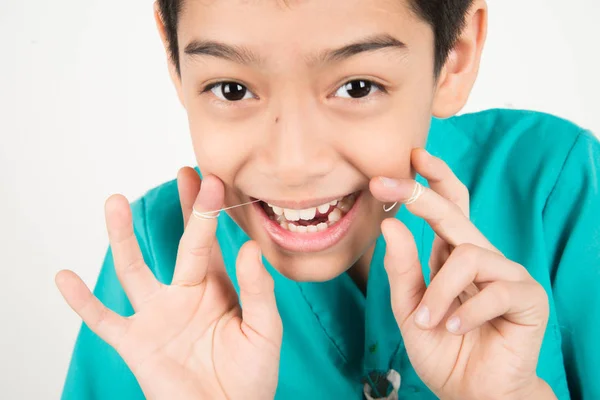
300, 102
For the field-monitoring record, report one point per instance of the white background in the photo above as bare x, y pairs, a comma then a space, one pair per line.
87, 109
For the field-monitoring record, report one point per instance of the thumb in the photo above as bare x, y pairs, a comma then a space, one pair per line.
401, 261
188, 185
257, 295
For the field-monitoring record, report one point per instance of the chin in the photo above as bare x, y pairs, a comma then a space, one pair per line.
310, 267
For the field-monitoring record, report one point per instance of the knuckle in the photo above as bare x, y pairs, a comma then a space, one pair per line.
542, 296
122, 235
441, 292
453, 211
448, 212
463, 189
195, 248
500, 293
467, 253
200, 251
460, 197
522, 273
102, 318
258, 286
455, 198
401, 269
134, 266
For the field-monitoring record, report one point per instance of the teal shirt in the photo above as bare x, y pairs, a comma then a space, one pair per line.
534, 181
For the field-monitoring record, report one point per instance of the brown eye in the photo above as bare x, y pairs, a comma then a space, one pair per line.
230, 91
357, 89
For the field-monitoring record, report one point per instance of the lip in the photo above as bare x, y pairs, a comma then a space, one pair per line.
309, 242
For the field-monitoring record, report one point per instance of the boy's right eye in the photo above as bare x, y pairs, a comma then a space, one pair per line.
229, 91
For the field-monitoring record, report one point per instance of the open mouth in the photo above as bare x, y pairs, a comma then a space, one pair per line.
311, 229
313, 219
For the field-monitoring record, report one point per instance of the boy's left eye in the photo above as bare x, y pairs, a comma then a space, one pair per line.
357, 89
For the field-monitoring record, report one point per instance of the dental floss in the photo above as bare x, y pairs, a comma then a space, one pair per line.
391, 208
207, 215
417, 192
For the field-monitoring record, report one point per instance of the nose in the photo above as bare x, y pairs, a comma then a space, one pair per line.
299, 151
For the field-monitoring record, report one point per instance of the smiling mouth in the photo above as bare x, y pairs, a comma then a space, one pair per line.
312, 219
311, 229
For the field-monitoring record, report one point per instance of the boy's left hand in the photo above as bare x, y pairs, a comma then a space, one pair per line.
476, 331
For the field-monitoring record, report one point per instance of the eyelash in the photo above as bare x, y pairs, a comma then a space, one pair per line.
207, 89
360, 100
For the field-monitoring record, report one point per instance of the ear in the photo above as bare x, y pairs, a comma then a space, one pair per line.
175, 77
458, 75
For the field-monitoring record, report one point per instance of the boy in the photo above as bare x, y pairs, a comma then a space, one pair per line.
315, 115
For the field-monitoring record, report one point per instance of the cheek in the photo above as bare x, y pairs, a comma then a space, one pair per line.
383, 147
221, 142
221, 148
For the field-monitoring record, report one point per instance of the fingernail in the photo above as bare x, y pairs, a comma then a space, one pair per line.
422, 316
453, 324
387, 182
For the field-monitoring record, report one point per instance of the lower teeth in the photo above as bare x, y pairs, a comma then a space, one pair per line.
323, 226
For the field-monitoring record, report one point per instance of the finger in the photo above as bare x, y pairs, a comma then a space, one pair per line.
445, 217
466, 265
196, 244
403, 268
257, 295
522, 303
105, 323
136, 278
440, 251
441, 178
188, 184
443, 181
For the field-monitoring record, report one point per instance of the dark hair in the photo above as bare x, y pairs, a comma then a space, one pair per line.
446, 17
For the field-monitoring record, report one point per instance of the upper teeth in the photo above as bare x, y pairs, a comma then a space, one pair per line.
277, 210
323, 208
306, 214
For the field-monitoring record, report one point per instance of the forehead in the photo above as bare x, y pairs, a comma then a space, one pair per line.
299, 26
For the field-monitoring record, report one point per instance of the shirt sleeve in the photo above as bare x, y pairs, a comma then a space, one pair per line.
96, 370
572, 230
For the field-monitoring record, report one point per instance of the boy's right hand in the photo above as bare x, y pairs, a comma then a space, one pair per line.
190, 339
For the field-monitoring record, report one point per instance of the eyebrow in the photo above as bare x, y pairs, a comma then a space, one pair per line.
244, 55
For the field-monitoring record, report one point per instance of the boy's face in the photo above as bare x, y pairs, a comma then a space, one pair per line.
303, 121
